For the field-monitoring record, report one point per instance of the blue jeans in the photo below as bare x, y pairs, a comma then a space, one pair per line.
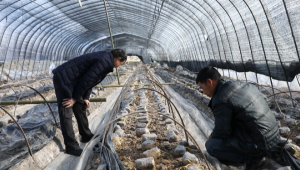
216, 149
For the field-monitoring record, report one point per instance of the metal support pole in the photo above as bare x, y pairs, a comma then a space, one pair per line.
43, 101
295, 43
274, 41
149, 84
262, 45
111, 38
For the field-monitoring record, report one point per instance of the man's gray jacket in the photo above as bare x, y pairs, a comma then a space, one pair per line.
243, 118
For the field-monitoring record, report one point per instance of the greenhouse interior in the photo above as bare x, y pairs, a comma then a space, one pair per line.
200, 85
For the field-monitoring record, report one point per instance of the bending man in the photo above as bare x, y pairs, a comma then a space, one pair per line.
73, 82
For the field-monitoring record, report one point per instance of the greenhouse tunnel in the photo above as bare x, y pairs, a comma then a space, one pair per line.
255, 41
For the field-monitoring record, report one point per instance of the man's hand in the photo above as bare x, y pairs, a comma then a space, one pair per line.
68, 102
87, 102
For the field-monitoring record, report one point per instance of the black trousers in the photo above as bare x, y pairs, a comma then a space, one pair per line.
65, 114
217, 149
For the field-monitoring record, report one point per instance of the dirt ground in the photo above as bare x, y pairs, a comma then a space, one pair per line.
130, 146
128, 155
295, 131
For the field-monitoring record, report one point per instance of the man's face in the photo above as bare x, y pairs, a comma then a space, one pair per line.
208, 87
118, 62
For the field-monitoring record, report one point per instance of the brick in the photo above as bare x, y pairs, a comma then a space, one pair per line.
169, 121
279, 116
124, 112
120, 132
172, 137
121, 124
151, 136
163, 111
170, 126
148, 144
128, 109
284, 130
145, 163
144, 119
154, 152
140, 131
142, 114
174, 129
183, 143
179, 151
283, 140
117, 127
193, 167
188, 158
141, 125
290, 122
167, 114
114, 137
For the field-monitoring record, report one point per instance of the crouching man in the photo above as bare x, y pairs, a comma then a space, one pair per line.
245, 129
73, 82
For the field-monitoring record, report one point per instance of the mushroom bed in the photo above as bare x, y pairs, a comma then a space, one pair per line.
147, 140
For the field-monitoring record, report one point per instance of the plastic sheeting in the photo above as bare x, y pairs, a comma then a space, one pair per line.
287, 155
108, 151
285, 72
96, 123
39, 127
51, 67
289, 160
250, 35
26, 94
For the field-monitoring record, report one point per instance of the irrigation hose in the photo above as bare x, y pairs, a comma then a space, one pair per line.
172, 104
112, 121
40, 95
27, 143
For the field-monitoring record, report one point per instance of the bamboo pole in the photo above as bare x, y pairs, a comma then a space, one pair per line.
107, 86
79, 2
55, 101
111, 37
42, 101
116, 74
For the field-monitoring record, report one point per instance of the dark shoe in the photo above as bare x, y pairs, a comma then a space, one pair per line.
257, 164
75, 152
86, 140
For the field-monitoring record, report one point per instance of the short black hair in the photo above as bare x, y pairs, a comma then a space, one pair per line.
208, 73
119, 53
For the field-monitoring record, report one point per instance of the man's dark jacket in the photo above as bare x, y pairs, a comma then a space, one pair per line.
243, 118
78, 75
